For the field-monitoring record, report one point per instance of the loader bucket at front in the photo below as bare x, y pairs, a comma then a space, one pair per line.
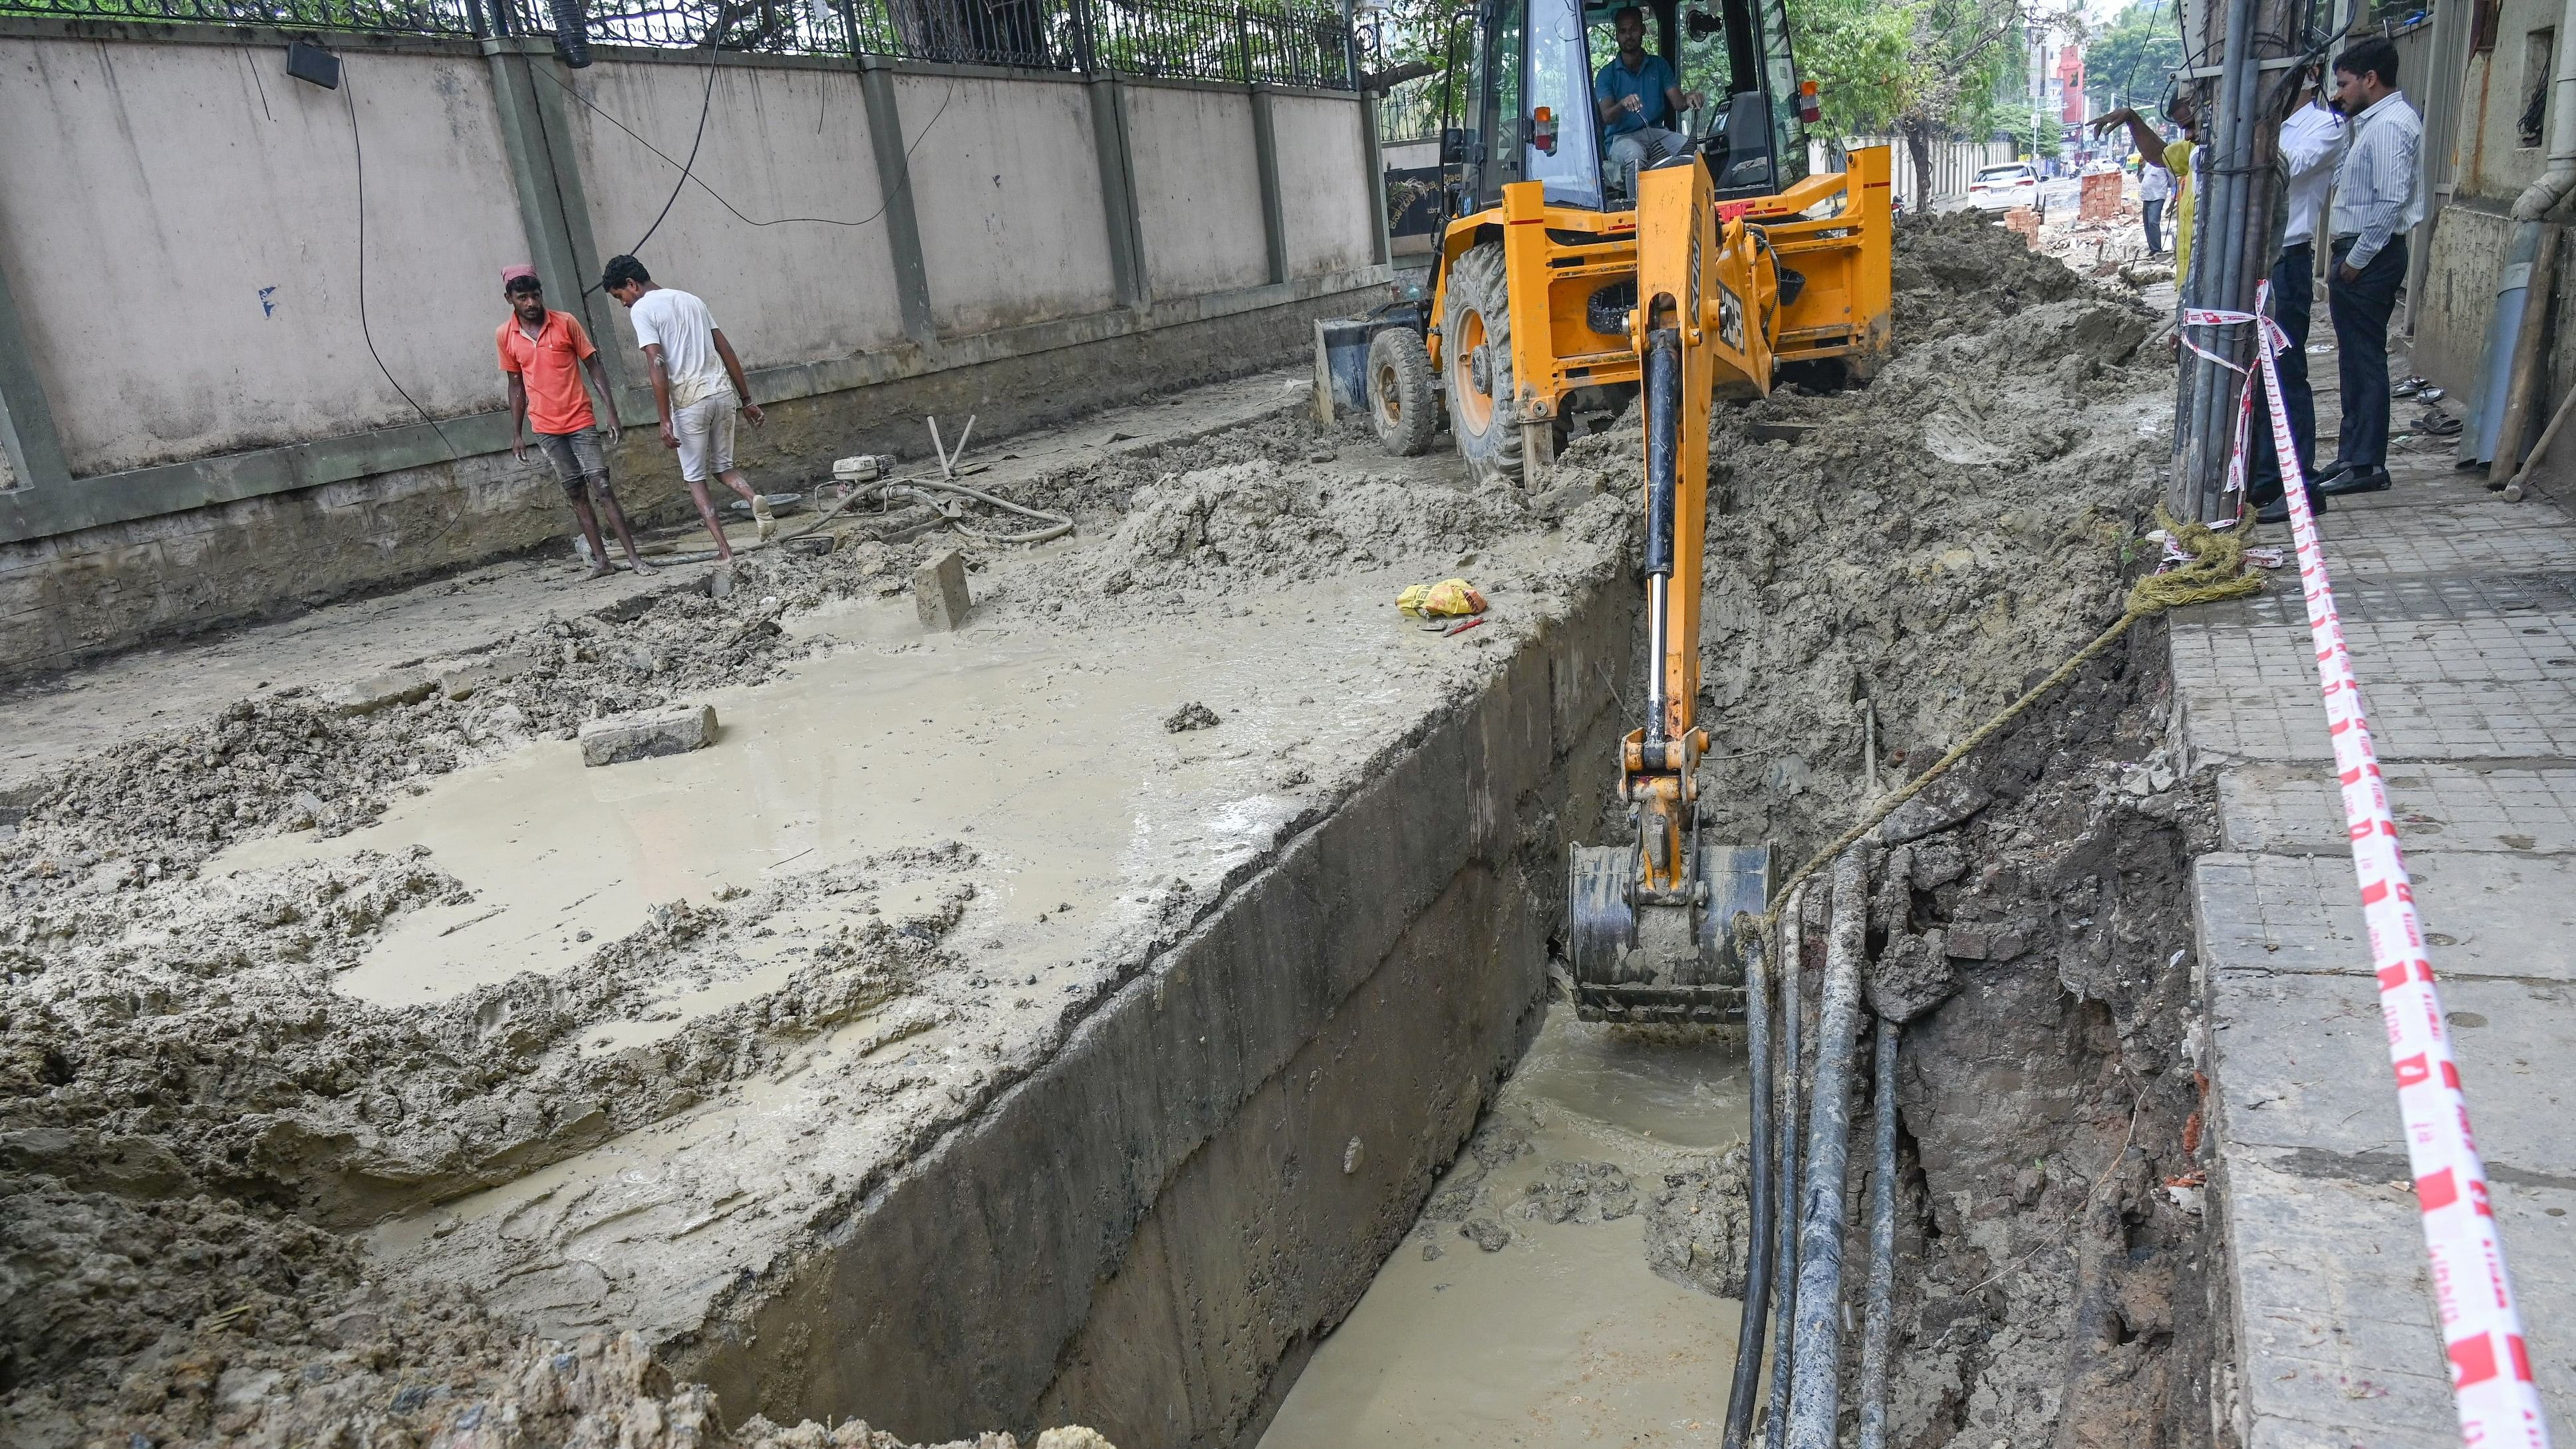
1643, 962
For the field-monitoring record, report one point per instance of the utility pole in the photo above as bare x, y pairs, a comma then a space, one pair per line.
2235, 233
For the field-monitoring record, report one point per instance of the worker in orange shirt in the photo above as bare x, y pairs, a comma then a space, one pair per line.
544, 353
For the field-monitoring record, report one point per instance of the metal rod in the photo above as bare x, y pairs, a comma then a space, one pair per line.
1815, 1394
1882, 1250
1657, 590
1784, 1251
1747, 1384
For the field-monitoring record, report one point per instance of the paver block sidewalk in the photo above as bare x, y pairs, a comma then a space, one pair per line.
2460, 611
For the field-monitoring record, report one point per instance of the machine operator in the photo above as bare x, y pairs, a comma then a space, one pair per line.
1639, 98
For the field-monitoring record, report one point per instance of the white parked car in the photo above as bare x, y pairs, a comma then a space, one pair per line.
2001, 188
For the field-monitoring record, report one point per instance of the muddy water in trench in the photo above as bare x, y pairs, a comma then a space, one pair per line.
1564, 1336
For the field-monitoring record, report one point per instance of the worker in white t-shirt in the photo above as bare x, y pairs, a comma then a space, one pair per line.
2155, 187
697, 385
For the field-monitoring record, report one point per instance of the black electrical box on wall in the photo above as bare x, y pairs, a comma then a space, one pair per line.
307, 61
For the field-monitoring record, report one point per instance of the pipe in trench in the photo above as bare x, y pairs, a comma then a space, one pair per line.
1757, 1268
1882, 1248
1815, 1392
1793, 931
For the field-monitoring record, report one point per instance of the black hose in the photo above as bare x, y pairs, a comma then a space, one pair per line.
1815, 1395
1882, 1250
1757, 1252
1663, 370
1785, 1234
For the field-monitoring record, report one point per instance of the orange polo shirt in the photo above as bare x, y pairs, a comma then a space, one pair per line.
550, 366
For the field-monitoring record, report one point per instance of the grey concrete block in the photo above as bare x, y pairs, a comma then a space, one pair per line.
720, 581
615, 741
939, 591
378, 691
463, 680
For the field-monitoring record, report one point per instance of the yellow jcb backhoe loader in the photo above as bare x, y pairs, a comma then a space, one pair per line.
1526, 329
1747, 266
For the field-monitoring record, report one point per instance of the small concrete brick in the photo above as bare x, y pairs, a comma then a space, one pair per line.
378, 691
463, 680
615, 741
939, 591
720, 582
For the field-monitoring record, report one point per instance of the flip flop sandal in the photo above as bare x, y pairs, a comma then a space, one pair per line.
2408, 388
2439, 425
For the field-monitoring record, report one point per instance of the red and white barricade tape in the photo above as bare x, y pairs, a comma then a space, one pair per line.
2242, 449
2491, 1382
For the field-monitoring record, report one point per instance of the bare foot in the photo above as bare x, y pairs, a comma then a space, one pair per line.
640, 567
604, 571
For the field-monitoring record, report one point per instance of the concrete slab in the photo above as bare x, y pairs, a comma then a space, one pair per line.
2490, 688
2297, 809
2505, 916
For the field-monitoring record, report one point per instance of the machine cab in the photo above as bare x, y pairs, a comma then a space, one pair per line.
1533, 115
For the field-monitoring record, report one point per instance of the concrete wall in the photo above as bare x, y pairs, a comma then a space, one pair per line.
1007, 182
779, 143
180, 229
1320, 147
2472, 234
189, 401
1150, 1235
1191, 144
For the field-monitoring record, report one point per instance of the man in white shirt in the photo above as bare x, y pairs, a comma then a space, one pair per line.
697, 384
2155, 187
2379, 198
2311, 139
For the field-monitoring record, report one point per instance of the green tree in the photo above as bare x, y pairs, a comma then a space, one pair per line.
2126, 65
1858, 54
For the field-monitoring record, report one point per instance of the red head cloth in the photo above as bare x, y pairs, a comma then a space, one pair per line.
514, 273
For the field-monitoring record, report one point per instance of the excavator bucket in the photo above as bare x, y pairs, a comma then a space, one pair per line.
1642, 962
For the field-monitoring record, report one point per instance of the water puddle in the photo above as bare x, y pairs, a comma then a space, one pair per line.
1563, 1336
1044, 753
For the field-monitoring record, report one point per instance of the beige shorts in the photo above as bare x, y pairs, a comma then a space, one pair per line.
705, 429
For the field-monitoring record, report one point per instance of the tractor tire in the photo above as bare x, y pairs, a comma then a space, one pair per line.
1476, 342
1404, 407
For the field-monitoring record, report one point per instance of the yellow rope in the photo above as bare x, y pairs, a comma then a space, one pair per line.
2217, 571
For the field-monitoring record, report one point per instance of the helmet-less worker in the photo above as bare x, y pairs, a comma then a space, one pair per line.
1639, 98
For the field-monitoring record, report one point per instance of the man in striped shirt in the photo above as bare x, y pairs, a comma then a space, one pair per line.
2378, 199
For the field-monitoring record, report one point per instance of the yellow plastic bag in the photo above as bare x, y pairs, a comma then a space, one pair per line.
1447, 599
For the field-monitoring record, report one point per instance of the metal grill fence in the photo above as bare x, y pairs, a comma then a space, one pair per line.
1276, 42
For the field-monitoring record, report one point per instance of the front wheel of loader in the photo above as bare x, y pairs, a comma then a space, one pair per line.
1404, 406
1476, 343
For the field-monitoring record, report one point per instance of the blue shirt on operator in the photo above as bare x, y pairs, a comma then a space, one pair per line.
1648, 83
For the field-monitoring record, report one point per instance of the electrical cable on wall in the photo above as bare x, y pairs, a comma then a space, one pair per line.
358, 154
688, 173
706, 104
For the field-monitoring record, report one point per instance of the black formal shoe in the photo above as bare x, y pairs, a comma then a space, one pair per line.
2325, 475
2356, 480
2278, 510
